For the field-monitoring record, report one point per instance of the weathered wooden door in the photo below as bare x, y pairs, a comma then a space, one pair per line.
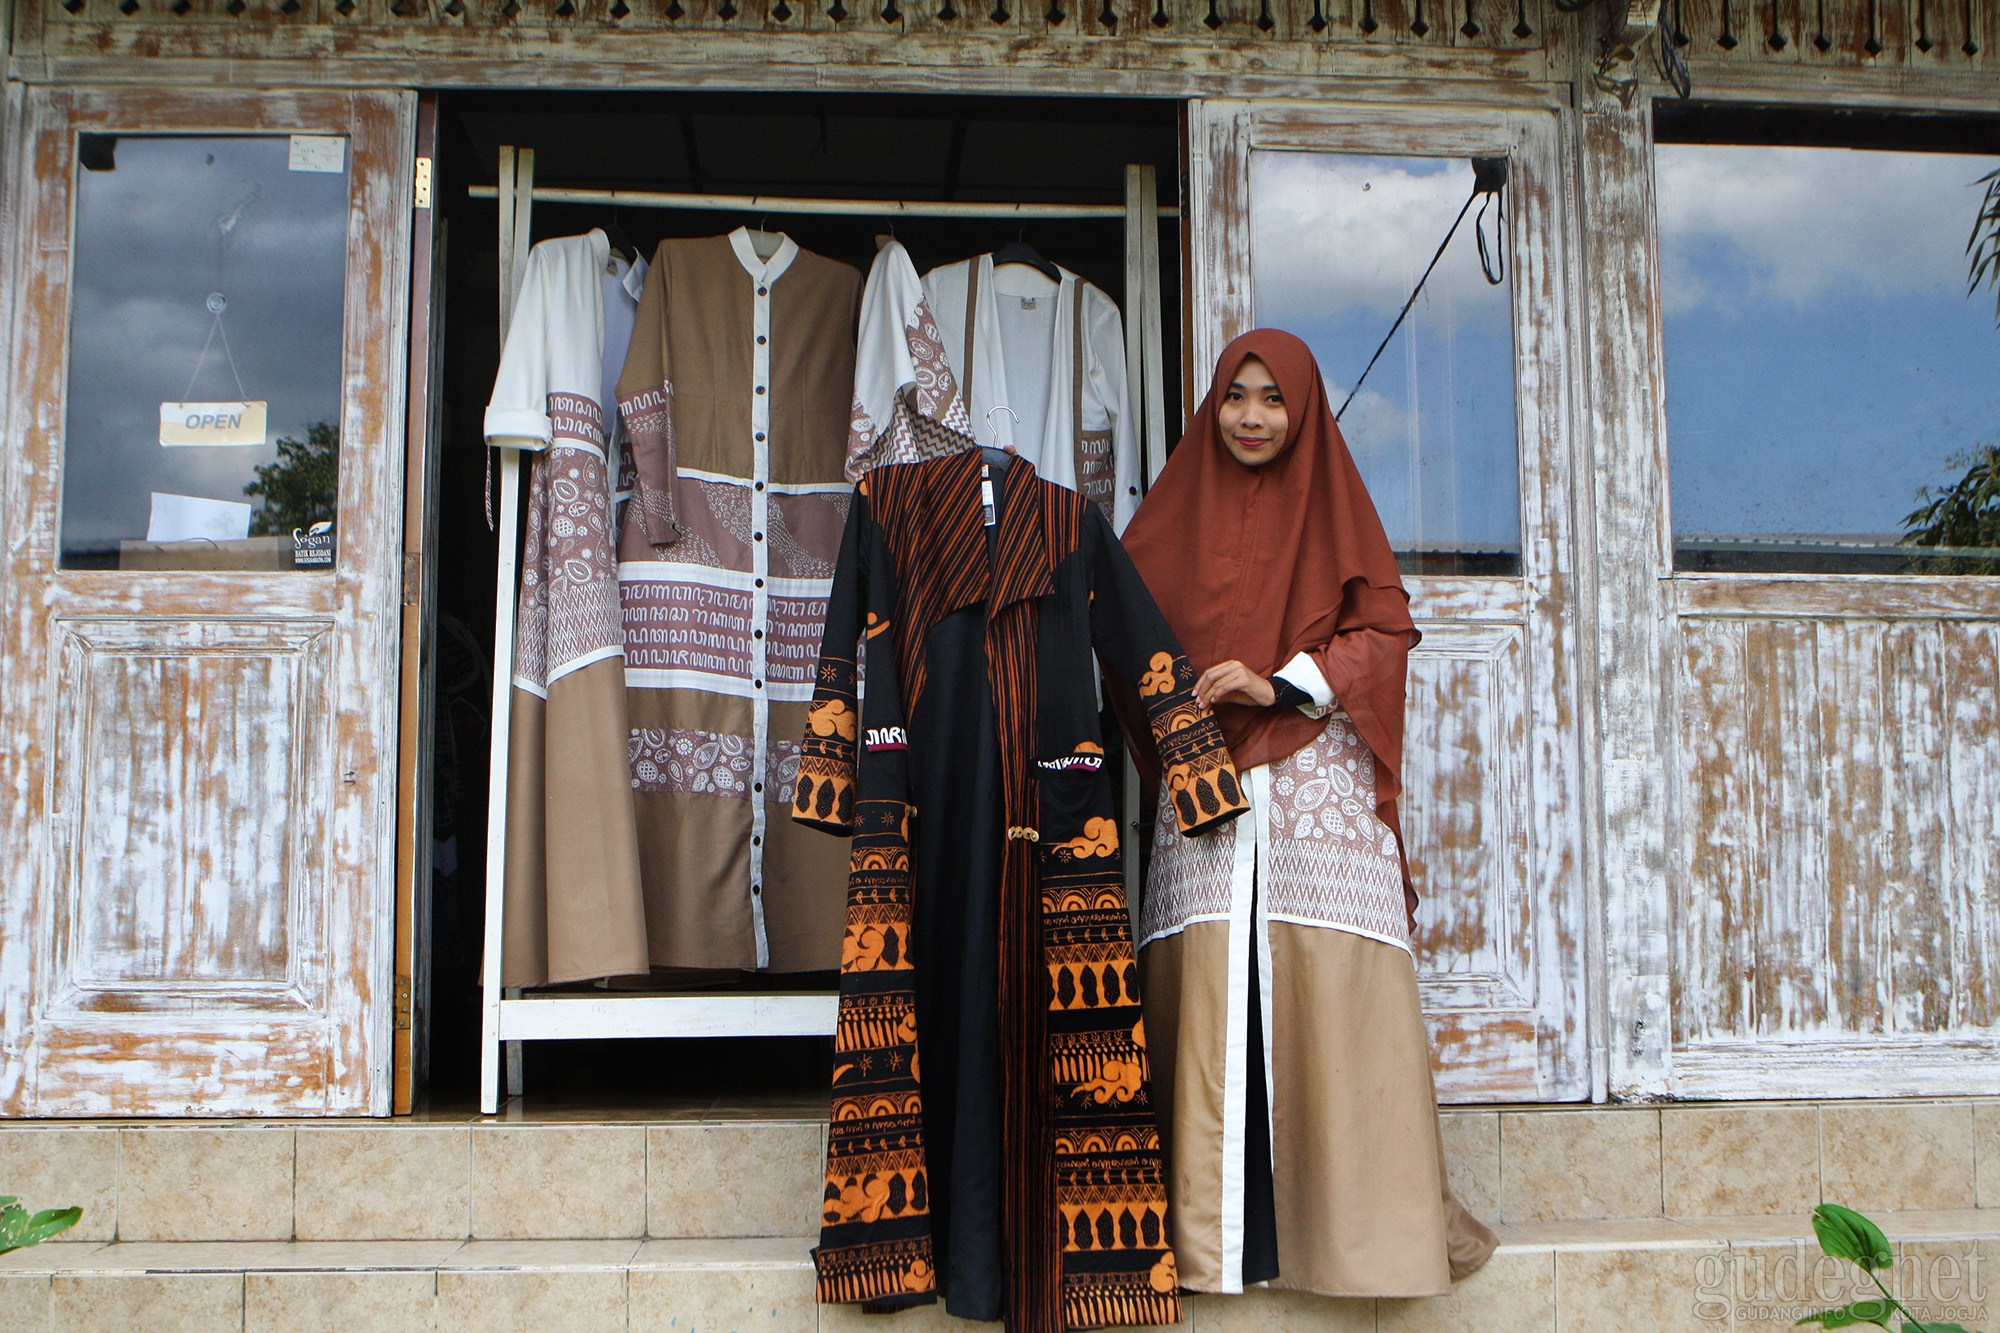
1321, 218
204, 440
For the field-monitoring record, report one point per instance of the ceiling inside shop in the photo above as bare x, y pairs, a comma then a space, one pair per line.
1055, 150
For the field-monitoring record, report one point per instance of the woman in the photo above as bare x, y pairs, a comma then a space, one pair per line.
1289, 1057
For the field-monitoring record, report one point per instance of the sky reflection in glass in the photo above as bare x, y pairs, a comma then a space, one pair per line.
1337, 242
1824, 360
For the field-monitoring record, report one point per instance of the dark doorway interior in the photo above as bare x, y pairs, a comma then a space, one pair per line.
1045, 150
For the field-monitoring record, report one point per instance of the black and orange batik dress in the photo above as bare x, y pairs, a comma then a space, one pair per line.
993, 1139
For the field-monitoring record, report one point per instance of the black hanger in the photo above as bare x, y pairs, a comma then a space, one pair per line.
1020, 252
615, 233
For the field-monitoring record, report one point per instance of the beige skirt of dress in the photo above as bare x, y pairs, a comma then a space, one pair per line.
1363, 1206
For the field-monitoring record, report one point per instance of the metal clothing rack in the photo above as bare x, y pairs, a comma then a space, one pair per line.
507, 1017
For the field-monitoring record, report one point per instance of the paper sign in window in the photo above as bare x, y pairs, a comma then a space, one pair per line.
212, 423
318, 152
185, 518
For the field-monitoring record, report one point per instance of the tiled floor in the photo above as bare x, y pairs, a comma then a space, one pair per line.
1656, 1276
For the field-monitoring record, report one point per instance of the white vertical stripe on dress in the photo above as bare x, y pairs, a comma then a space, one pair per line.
1235, 1045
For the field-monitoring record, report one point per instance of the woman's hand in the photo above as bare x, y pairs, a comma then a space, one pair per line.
1233, 683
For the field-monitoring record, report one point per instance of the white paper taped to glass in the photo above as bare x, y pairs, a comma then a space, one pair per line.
238, 424
318, 152
188, 518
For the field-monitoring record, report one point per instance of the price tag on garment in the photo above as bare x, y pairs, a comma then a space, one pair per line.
318, 152
211, 423
986, 493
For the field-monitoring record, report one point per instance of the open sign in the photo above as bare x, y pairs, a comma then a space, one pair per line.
211, 423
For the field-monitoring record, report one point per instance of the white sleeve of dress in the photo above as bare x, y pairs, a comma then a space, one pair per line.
1303, 672
517, 417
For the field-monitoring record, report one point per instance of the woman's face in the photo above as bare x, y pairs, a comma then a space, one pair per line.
1254, 426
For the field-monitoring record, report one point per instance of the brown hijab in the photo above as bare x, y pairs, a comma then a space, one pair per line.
1260, 564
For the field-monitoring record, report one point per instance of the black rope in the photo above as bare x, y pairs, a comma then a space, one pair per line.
1402, 314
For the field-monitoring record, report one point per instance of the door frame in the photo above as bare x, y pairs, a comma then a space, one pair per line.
1534, 627
326, 1048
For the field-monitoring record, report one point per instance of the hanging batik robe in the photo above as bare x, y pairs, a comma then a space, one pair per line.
1053, 355
735, 394
907, 406
993, 1138
1288, 1040
573, 906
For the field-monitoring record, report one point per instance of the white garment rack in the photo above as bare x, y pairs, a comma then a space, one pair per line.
507, 1017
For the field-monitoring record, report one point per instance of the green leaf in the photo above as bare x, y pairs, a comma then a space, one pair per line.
1846, 1234
18, 1230
51, 1222
1912, 1326
1861, 1312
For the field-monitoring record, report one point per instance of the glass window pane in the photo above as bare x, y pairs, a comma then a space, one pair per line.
205, 352
1828, 374
1338, 241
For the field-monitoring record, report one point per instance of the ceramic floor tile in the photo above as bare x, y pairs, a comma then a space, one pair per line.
50, 1167
388, 1182
1262, 1310
52, 1256
722, 1300
1655, 1290
152, 1302
745, 1179
205, 1183
1557, 1165
1617, 1233
1917, 1155
361, 1254
157, 1256
1472, 1160
24, 1299
752, 1252
552, 1182
918, 1319
1513, 1293
543, 1254
1986, 1130
339, 1302
531, 1302
1739, 1160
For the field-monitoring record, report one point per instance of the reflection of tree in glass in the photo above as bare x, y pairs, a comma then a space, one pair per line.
1984, 247
299, 489
1963, 514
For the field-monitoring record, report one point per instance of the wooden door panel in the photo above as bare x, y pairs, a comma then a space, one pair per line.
1492, 755
185, 782
197, 796
1466, 831
1837, 890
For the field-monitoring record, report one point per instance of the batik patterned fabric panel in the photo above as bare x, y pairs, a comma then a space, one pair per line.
1110, 1180
1333, 860
824, 782
929, 420
1196, 777
875, 1241
569, 580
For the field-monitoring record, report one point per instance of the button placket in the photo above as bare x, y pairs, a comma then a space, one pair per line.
760, 705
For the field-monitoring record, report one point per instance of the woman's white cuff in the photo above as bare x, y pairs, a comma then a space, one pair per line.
1303, 672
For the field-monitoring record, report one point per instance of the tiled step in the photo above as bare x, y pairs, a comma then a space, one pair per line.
1719, 1276
736, 1173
